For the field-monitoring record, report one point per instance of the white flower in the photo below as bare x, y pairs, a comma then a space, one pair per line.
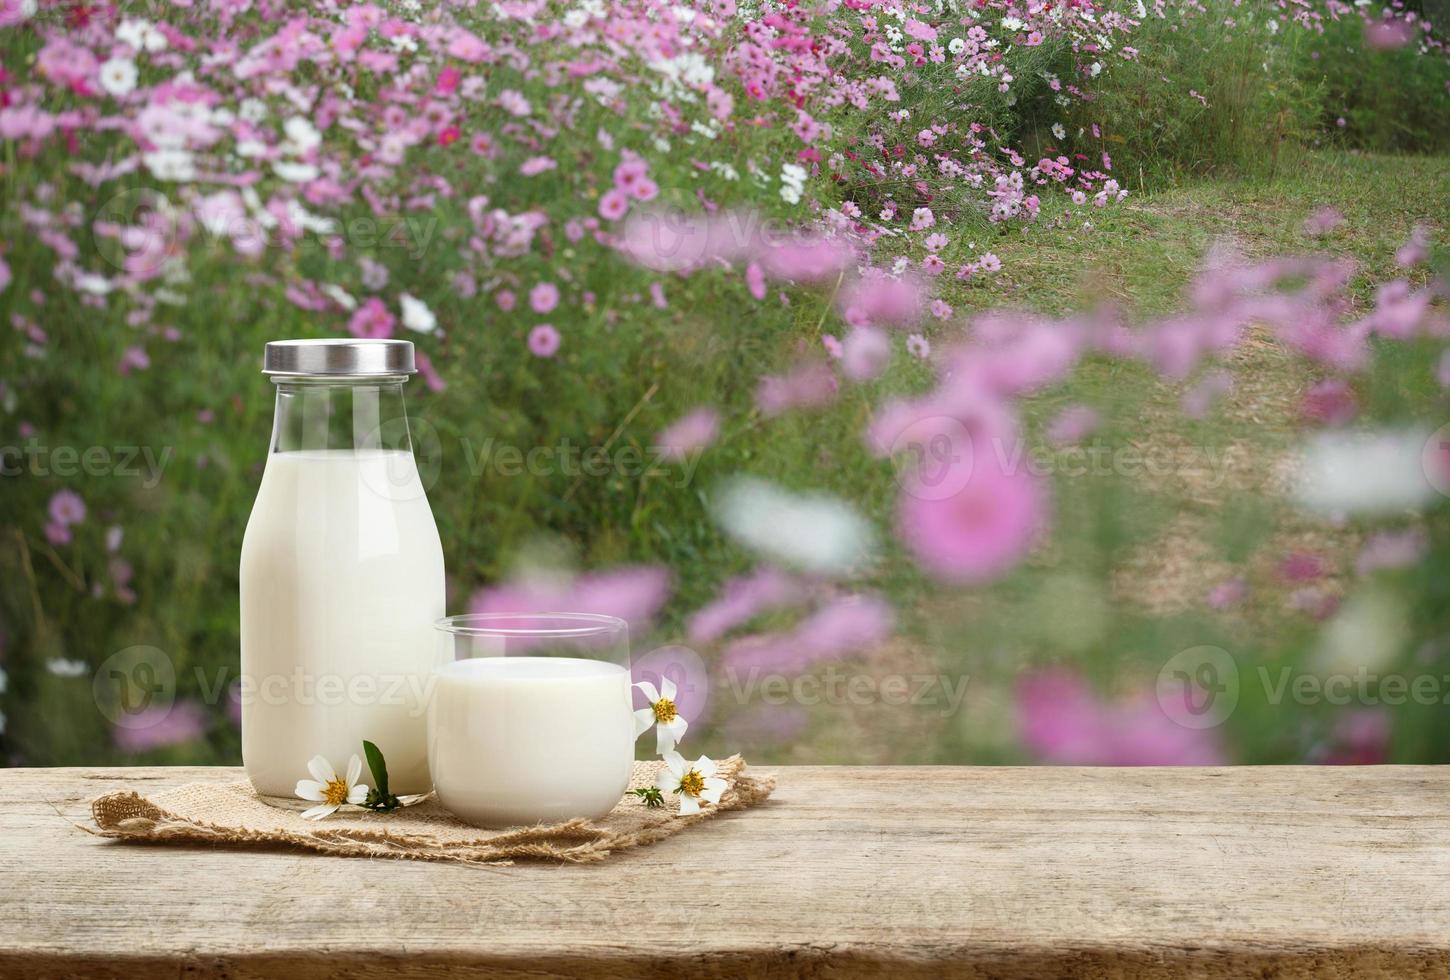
691, 782
141, 35
301, 135
1366, 634
118, 76
170, 164
1059, 131
339, 296
4, 680
295, 173
416, 315
1364, 473
815, 532
661, 711
66, 667
252, 110
956, 45
328, 790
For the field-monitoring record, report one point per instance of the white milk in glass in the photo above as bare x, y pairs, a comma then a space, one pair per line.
518, 740
341, 576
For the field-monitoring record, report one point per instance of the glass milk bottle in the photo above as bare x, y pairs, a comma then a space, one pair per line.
341, 572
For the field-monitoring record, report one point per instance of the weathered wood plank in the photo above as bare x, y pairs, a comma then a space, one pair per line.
847, 871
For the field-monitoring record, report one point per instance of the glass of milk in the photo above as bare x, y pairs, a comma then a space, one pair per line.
341, 572
532, 721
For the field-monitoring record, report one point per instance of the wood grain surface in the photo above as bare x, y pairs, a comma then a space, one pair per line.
904, 872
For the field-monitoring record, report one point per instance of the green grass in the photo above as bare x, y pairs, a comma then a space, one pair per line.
1125, 590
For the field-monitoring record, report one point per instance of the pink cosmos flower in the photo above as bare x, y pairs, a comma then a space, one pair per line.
755, 280
157, 727
634, 593
844, 627
741, 600
877, 300
1416, 250
972, 518
1392, 549
1385, 35
544, 340
1228, 593
544, 297
1329, 402
133, 358
1322, 222
764, 724
836, 351
1063, 722
66, 508
506, 300
918, 346
372, 320
808, 261
1072, 425
922, 219
1300, 566
57, 534
534, 166
694, 431
1200, 399
811, 385
426, 371
867, 351
1361, 737
613, 204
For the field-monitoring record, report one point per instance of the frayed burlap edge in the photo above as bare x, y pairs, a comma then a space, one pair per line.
130, 816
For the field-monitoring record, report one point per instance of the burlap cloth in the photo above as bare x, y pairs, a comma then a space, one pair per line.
231, 813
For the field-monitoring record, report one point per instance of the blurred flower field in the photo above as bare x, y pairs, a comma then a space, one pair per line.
937, 382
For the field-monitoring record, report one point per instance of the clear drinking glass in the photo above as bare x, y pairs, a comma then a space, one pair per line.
532, 721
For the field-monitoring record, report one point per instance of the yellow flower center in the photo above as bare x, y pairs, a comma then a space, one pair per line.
335, 792
692, 783
664, 710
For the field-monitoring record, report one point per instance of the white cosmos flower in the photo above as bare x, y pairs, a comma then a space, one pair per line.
814, 532
328, 790
118, 76
67, 667
663, 712
339, 296
416, 315
295, 173
691, 782
1364, 473
301, 135
170, 163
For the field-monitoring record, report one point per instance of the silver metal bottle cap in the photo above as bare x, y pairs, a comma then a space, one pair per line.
344, 357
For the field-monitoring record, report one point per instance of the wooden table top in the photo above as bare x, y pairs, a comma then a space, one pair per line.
907, 871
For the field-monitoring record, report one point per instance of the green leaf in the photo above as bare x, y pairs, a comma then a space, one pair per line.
378, 766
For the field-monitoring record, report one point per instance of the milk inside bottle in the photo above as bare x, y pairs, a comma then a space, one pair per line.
341, 572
